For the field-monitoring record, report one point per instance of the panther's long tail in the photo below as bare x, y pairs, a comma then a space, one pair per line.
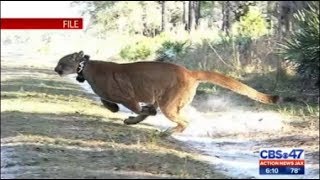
236, 86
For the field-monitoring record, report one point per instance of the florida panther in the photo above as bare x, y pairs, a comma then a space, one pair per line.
157, 84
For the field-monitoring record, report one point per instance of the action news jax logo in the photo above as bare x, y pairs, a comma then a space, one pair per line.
281, 161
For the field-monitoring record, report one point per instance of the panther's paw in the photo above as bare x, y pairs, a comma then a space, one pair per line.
130, 120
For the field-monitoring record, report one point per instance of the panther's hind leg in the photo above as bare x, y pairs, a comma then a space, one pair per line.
173, 107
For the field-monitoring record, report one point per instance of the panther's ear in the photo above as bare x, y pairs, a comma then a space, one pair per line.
74, 56
80, 54
87, 57
77, 55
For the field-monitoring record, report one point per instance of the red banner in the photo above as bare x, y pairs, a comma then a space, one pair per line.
41, 23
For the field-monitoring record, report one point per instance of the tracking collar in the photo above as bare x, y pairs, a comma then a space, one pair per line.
80, 68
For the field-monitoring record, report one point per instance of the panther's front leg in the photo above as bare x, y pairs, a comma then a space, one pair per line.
135, 120
149, 110
113, 107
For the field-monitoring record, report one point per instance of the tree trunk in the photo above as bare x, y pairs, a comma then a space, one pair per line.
197, 13
163, 16
284, 19
223, 16
279, 26
185, 16
212, 15
144, 21
287, 11
269, 16
191, 20
226, 16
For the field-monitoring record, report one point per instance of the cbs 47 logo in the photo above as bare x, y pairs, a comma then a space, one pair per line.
281, 153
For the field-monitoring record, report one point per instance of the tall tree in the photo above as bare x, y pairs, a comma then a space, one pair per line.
191, 20
92, 7
197, 9
212, 14
269, 14
284, 18
226, 16
185, 15
163, 16
144, 16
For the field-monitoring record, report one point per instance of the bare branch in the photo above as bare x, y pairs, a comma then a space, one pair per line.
214, 50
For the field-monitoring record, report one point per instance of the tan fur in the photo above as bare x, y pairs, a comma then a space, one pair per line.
167, 86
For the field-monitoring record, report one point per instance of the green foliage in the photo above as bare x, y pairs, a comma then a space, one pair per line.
145, 47
92, 7
303, 45
139, 50
206, 8
252, 24
172, 48
127, 17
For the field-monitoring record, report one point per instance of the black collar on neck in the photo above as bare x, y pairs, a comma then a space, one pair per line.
80, 68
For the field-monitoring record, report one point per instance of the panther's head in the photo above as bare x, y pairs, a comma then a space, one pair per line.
68, 64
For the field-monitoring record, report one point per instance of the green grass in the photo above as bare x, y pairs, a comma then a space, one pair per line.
58, 131
299, 110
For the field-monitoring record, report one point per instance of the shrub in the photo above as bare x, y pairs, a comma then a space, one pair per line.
172, 49
137, 51
252, 25
303, 45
